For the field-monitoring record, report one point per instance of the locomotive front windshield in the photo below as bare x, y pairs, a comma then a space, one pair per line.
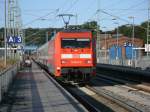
75, 43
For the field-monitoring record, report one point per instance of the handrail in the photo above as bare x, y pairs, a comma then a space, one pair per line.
6, 78
7, 69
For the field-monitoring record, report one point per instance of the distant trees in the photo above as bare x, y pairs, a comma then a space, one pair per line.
37, 36
90, 25
140, 31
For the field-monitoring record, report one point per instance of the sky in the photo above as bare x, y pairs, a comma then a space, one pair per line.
44, 13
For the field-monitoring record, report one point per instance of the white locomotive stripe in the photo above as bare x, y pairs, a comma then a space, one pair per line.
85, 55
66, 56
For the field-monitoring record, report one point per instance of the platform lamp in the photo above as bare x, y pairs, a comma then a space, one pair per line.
117, 55
105, 44
133, 38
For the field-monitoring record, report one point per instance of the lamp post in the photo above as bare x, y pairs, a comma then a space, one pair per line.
105, 45
148, 29
133, 58
117, 38
117, 54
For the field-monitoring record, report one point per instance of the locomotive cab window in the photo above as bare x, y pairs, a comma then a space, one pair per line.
75, 43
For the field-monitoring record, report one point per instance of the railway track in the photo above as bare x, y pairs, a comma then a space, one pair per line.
133, 84
101, 101
95, 98
91, 100
129, 97
114, 103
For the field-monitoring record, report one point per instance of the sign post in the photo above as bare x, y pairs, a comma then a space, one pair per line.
14, 40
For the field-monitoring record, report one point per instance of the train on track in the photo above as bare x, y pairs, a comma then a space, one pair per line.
69, 55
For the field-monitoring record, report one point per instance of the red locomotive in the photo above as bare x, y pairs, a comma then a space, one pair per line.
70, 55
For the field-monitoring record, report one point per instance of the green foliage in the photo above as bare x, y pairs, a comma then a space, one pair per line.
37, 36
140, 31
90, 25
126, 30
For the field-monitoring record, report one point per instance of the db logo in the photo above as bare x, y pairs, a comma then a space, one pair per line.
76, 56
76, 62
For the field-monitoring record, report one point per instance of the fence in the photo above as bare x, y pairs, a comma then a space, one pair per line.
10, 53
104, 56
1, 54
144, 62
6, 78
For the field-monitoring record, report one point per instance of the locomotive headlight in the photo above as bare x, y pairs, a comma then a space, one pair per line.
88, 61
58, 68
63, 61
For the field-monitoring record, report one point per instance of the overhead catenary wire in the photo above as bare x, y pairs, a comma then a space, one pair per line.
41, 17
131, 8
113, 4
122, 19
125, 9
71, 6
94, 15
114, 16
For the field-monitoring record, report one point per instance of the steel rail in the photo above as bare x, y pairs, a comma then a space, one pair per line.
115, 100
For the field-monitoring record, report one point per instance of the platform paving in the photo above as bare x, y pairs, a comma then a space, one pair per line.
32, 91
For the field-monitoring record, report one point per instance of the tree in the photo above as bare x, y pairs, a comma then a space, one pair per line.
140, 31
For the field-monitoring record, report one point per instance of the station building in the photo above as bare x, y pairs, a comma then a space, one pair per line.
120, 51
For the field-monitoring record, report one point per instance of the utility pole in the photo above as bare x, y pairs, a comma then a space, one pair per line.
148, 28
98, 43
5, 34
133, 38
14, 23
10, 20
117, 40
76, 19
105, 35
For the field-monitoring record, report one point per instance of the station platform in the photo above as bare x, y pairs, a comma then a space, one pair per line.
33, 91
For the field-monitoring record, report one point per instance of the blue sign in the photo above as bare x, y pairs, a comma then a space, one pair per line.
14, 39
126, 44
10, 39
18, 39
